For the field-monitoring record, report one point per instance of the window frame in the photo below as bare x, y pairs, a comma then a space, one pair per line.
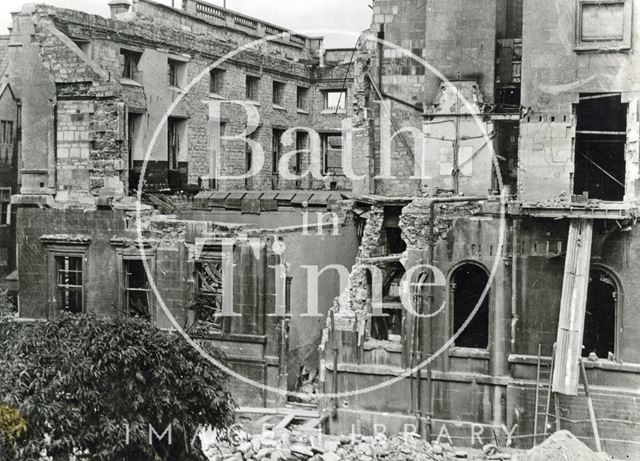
130, 60
342, 106
5, 206
69, 288
324, 154
215, 258
252, 87
302, 94
278, 93
62, 247
125, 289
581, 45
216, 81
462, 351
276, 149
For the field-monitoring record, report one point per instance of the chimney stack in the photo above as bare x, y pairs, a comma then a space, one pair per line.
119, 7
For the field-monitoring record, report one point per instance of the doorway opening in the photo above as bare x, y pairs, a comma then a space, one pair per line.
600, 318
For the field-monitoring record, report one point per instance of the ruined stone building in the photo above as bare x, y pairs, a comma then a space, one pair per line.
496, 167
498, 267
91, 93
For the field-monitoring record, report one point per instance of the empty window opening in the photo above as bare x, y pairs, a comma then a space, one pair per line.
5, 206
302, 97
252, 87
331, 144
335, 100
468, 282
84, 45
134, 147
278, 93
209, 285
248, 160
137, 292
276, 149
600, 147
69, 284
130, 60
388, 326
177, 72
216, 81
506, 148
600, 318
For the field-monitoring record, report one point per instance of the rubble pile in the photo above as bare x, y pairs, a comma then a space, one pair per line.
561, 445
285, 445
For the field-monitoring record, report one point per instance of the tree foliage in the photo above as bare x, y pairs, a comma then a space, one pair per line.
95, 386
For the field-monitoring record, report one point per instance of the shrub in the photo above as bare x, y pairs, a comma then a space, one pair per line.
7, 306
79, 382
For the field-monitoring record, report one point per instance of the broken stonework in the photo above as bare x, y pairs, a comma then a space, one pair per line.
414, 220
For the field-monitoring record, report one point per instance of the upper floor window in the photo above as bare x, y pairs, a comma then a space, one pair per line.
331, 145
467, 286
335, 100
6, 141
129, 60
278, 93
252, 87
603, 24
302, 97
5, 206
177, 72
216, 81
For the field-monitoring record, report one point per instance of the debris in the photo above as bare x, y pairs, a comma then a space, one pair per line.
561, 445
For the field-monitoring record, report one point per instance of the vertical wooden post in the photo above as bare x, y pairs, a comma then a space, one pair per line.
592, 413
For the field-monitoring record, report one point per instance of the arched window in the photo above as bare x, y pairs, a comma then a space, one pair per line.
467, 284
600, 318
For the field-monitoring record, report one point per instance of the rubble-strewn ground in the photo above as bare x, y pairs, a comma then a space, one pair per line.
285, 445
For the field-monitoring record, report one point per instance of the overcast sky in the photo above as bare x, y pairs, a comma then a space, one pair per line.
349, 15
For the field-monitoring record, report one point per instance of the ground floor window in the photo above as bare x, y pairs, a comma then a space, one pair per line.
69, 284
467, 284
137, 292
600, 318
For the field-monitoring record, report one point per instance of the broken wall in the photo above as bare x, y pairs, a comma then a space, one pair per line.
556, 69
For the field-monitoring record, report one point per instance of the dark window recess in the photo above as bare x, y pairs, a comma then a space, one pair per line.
249, 181
252, 88
388, 327
130, 60
209, 280
467, 285
506, 148
5, 205
600, 147
276, 150
278, 93
395, 243
6, 141
331, 153
302, 97
137, 292
69, 284
302, 139
600, 319
174, 77
134, 125
216, 81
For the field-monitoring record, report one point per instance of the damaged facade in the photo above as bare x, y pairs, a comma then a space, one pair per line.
536, 244
549, 86
93, 91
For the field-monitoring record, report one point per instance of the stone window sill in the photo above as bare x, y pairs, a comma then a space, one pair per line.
302, 111
255, 103
469, 353
130, 82
279, 107
333, 111
216, 96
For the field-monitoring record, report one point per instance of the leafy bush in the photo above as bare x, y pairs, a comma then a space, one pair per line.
7, 306
79, 382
